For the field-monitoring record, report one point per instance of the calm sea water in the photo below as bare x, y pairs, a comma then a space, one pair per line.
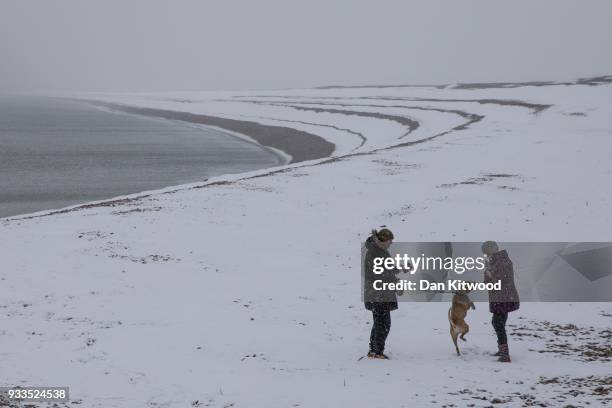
55, 153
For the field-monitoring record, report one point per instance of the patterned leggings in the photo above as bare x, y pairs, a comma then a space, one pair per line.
499, 324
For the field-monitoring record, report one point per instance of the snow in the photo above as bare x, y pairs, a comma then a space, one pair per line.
244, 291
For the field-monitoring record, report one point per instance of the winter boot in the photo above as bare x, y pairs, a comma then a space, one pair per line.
504, 355
498, 353
371, 354
381, 356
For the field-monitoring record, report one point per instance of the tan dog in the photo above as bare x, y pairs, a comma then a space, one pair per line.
456, 316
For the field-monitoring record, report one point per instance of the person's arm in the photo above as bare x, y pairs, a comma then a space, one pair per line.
488, 273
368, 264
390, 276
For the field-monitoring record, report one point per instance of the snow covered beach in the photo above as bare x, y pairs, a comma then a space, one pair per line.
179, 296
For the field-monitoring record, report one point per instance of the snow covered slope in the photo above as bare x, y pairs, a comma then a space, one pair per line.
244, 290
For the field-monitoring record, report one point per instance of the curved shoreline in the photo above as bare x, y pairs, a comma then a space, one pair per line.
288, 145
300, 145
282, 157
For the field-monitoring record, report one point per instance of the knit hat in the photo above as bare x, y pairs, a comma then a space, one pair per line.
383, 235
489, 248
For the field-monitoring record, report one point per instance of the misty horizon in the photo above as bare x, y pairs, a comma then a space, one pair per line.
147, 46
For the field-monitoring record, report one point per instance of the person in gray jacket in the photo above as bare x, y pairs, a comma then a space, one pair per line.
379, 302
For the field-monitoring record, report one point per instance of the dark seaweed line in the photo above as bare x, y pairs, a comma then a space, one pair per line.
535, 107
353, 132
402, 120
590, 81
463, 114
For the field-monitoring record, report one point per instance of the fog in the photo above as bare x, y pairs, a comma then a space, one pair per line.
155, 45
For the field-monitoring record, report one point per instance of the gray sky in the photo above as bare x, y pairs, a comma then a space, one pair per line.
157, 45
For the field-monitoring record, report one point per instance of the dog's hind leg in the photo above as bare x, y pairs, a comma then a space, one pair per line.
465, 331
454, 333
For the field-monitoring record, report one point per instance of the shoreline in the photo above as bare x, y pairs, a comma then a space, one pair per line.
282, 157
299, 145
288, 145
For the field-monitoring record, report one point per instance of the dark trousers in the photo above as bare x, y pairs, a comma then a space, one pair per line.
499, 324
380, 329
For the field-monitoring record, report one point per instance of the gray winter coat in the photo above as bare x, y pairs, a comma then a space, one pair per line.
377, 299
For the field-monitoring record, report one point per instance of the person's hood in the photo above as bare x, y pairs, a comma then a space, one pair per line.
370, 244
